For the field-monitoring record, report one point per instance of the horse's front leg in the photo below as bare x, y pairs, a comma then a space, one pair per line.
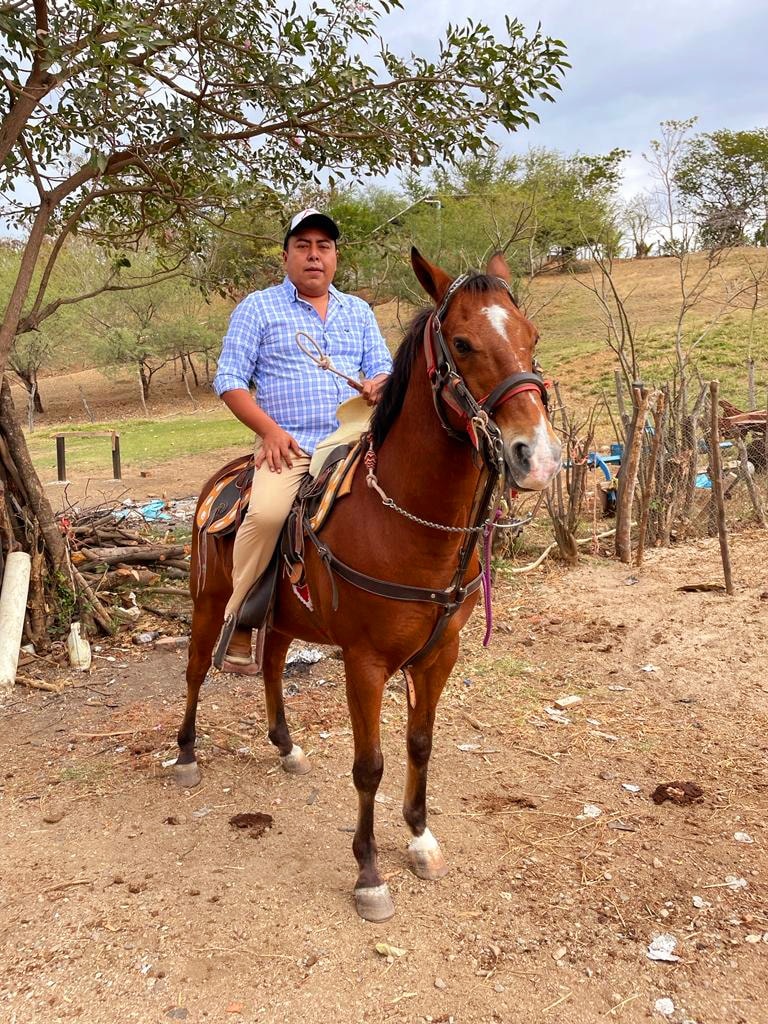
292, 757
424, 853
365, 686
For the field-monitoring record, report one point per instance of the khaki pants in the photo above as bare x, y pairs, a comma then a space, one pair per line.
272, 495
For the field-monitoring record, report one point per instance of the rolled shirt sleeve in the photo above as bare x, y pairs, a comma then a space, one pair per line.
376, 357
240, 349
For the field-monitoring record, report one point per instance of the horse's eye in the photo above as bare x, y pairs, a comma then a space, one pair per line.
462, 346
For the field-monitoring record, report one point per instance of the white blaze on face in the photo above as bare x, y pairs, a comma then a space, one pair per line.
498, 317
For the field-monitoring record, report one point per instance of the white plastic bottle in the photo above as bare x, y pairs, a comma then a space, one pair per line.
78, 648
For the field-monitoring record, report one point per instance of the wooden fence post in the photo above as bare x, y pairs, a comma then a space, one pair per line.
61, 459
716, 476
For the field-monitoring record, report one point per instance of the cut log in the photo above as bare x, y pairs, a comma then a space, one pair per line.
133, 555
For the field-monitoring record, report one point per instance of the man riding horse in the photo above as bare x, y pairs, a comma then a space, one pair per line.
295, 404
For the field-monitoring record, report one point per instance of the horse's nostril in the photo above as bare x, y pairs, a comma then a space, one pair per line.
521, 453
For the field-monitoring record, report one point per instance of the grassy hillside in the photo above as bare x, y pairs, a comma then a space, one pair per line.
573, 337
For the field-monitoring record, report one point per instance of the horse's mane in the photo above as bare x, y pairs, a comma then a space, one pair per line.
391, 402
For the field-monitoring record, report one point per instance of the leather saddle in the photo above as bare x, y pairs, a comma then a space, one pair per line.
224, 508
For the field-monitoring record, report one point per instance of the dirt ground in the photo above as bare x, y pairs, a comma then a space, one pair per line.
126, 899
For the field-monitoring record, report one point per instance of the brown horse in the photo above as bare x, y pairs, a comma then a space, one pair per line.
461, 409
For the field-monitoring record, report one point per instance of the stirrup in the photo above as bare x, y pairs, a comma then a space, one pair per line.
220, 650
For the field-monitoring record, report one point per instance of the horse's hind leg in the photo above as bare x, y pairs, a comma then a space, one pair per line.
292, 757
207, 617
424, 853
365, 686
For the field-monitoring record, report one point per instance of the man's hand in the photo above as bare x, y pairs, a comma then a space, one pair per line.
372, 388
277, 447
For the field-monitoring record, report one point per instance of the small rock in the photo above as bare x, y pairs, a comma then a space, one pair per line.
177, 1013
753, 938
147, 638
172, 641
53, 813
559, 953
734, 882
557, 716
664, 1006
658, 863
700, 903
439, 983
631, 787
590, 811
662, 947
743, 837
562, 703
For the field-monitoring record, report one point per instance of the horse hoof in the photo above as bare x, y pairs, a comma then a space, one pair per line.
426, 857
187, 775
374, 903
295, 763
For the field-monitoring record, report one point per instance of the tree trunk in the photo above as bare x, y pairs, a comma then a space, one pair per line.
25, 477
36, 399
146, 379
143, 388
193, 369
28, 378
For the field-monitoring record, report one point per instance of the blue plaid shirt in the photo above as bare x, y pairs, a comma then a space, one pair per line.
260, 349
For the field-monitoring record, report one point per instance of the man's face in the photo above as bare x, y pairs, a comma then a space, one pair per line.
310, 261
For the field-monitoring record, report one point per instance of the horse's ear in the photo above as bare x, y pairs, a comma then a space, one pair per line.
432, 279
498, 267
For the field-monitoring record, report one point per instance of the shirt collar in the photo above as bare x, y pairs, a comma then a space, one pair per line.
293, 292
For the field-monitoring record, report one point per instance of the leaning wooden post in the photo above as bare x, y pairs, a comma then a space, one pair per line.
628, 476
658, 425
716, 474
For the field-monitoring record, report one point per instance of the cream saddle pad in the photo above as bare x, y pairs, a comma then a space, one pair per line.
353, 416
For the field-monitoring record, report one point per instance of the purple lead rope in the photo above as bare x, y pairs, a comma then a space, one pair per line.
486, 574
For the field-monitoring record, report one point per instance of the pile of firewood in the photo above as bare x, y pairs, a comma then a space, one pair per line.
118, 570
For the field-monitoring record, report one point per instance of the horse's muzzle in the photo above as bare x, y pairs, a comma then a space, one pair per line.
532, 464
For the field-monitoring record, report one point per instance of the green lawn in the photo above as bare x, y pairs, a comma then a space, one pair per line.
142, 442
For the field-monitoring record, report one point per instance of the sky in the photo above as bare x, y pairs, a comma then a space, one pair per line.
634, 64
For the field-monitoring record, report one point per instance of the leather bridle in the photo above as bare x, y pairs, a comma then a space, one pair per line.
449, 389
